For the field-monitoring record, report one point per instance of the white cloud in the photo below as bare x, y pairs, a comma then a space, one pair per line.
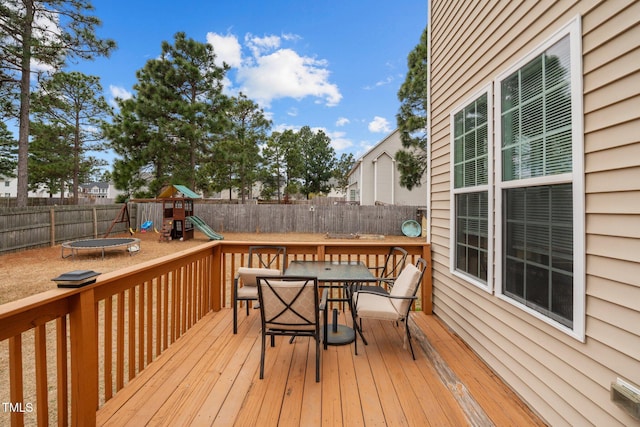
283, 74
338, 141
342, 121
379, 125
228, 88
272, 71
119, 92
385, 82
291, 37
227, 49
283, 126
268, 115
41, 67
379, 83
46, 27
261, 45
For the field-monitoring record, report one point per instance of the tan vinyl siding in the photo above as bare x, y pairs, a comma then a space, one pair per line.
621, 157
617, 270
610, 203
563, 379
384, 179
603, 139
614, 225
614, 292
377, 178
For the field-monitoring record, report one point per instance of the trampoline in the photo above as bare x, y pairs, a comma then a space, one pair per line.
130, 244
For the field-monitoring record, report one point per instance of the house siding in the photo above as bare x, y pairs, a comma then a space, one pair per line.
383, 176
564, 380
376, 178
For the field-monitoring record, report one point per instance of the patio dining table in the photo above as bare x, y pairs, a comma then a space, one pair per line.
344, 273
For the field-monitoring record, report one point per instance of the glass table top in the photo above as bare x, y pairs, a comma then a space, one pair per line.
331, 271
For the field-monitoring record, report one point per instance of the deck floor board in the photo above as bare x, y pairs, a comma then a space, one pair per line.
211, 377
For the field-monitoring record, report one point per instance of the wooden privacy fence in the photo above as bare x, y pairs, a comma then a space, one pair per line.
32, 227
308, 218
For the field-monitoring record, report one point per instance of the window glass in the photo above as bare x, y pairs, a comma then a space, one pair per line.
536, 116
538, 249
472, 242
471, 145
538, 220
471, 199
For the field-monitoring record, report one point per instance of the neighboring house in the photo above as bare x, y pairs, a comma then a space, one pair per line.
94, 190
99, 190
375, 179
535, 196
9, 188
233, 194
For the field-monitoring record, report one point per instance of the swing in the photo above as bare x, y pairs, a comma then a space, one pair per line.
146, 222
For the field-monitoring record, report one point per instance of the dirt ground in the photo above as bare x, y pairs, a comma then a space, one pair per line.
30, 272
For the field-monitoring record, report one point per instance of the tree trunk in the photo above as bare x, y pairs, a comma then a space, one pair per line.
76, 160
25, 89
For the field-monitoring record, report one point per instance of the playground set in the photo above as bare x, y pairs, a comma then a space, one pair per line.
178, 223
178, 219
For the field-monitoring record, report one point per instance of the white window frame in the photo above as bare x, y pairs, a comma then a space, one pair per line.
488, 286
575, 177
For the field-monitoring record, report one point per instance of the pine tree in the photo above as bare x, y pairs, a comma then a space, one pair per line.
73, 101
8, 152
318, 160
169, 128
412, 118
247, 131
47, 32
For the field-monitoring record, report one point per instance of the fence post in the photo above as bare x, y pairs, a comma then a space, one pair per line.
84, 358
95, 223
52, 221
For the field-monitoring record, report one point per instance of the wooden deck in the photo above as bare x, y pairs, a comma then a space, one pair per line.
210, 377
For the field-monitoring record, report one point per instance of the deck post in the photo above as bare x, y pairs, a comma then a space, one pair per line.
427, 282
216, 280
321, 250
84, 358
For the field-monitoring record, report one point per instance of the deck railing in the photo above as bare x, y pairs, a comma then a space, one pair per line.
78, 347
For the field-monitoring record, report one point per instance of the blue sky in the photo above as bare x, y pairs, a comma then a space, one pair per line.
332, 65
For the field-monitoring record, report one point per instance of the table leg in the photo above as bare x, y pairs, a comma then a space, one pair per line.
339, 334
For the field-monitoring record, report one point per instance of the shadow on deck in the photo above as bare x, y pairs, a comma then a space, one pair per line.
210, 377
